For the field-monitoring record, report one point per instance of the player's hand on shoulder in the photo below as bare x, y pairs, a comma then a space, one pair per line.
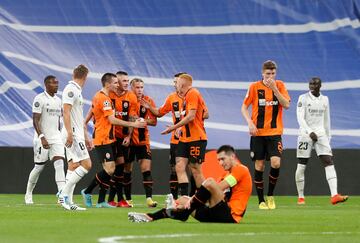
145, 103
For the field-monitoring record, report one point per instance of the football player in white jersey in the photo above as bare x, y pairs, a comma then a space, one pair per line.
47, 137
73, 135
313, 115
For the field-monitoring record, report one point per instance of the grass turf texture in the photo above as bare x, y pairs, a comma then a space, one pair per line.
45, 221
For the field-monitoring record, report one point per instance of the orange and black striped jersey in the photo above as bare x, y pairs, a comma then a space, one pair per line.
104, 132
141, 136
173, 103
125, 106
266, 109
194, 130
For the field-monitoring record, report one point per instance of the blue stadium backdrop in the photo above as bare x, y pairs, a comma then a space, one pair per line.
221, 43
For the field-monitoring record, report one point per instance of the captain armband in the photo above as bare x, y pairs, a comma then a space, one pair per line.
231, 180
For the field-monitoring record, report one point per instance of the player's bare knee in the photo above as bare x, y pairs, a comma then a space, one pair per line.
326, 160
259, 165
275, 162
180, 167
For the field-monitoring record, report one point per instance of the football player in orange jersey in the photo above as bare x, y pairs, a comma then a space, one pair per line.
104, 138
267, 97
125, 105
209, 203
193, 139
140, 145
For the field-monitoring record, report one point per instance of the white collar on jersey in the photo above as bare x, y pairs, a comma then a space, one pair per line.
74, 83
49, 96
314, 97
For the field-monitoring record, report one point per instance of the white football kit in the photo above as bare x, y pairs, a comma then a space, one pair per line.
72, 95
313, 115
50, 109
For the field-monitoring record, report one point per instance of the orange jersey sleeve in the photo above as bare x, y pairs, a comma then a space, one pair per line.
266, 109
125, 106
174, 104
141, 136
194, 130
241, 188
104, 132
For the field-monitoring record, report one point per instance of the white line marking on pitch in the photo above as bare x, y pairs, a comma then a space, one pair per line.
128, 238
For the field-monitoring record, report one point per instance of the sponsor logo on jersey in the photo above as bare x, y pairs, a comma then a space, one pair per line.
37, 104
316, 111
107, 155
143, 109
263, 102
121, 113
299, 104
71, 94
126, 104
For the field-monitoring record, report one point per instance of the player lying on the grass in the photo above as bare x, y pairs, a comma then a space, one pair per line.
209, 204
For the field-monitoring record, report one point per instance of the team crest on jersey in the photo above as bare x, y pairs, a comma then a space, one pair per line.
107, 155
299, 104
106, 103
126, 105
37, 104
71, 94
143, 109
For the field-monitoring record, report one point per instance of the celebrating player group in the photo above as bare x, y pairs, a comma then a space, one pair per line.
121, 114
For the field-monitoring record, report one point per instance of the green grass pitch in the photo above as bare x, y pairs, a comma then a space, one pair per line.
45, 221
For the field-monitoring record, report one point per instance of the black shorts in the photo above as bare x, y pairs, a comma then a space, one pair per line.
121, 150
264, 147
139, 152
105, 153
172, 155
220, 213
194, 151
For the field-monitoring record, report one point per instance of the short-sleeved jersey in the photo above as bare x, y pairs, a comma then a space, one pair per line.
194, 130
125, 106
72, 95
240, 183
173, 103
104, 131
50, 109
313, 114
141, 136
266, 109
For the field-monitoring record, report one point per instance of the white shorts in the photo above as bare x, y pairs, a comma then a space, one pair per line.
42, 155
77, 152
305, 146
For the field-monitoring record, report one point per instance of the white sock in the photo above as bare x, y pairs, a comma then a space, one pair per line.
74, 178
300, 179
68, 174
71, 194
59, 174
332, 179
33, 178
